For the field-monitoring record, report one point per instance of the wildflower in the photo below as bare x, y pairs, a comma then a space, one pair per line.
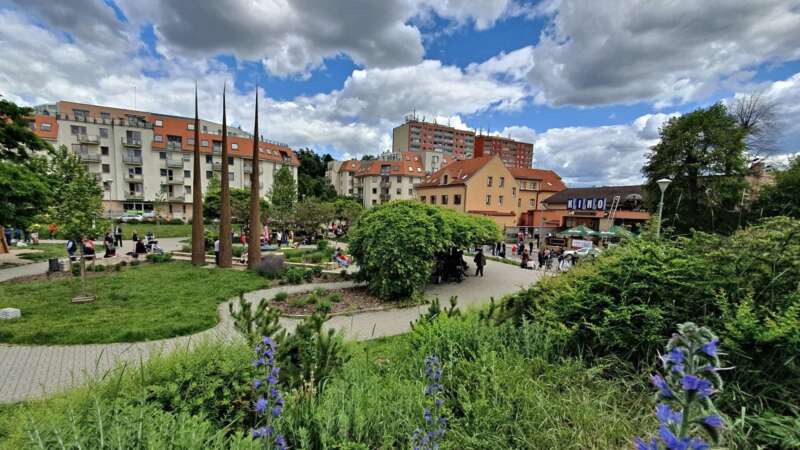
256, 384
259, 362
690, 379
428, 437
261, 405
713, 421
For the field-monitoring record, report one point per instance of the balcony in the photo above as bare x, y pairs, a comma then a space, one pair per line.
174, 163
217, 166
91, 157
134, 195
174, 146
88, 139
174, 182
176, 197
130, 142
217, 151
134, 177
134, 160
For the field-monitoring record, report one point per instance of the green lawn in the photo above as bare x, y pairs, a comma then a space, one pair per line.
150, 301
47, 251
161, 231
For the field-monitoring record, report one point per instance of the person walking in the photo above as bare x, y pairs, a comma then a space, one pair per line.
503, 250
216, 251
72, 247
530, 247
118, 236
480, 261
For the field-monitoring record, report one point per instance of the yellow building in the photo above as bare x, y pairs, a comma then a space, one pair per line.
482, 186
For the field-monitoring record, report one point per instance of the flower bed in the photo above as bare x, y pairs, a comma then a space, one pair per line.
340, 301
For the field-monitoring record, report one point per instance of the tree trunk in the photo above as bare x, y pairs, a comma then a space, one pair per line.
3, 243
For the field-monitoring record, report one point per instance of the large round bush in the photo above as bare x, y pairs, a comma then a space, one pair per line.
395, 244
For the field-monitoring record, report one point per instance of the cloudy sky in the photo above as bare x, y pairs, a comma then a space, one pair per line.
589, 82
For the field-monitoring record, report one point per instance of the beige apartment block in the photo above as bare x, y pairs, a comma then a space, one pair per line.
139, 156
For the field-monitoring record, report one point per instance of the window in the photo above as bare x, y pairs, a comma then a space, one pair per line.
106, 168
190, 126
374, 190
532, 203
188, 190
488, 183
209, 174
162, 155
230, 160
444, 199
103, 132
105, 115
230, 175
158, 138
205, 129
433, 199
500, 200
191, 141
488, 199
374, 202
204, 143
410, 191
46, 126
444, 179
209, 159
163, 172
513, 192
107, 185
502, 181
399, 180
187, 174
159, 123
76, 130
104, 150
398, 191
423, 198
457, 199
234, 146
519, 203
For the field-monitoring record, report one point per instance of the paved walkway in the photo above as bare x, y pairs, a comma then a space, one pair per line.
28, 372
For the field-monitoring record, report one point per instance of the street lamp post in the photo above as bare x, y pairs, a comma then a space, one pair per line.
662, 184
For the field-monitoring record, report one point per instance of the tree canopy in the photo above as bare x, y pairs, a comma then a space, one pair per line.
395, 244
311, 181
282, 197
23, 194
240, 202
311, 212
703, 152
16, 136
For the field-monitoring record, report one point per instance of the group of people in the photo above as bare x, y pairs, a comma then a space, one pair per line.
112, 241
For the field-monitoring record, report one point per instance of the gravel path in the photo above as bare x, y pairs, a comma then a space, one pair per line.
28, 372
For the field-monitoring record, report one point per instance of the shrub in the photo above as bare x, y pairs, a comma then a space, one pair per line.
323, 246
134, 222
271, 266
123, 263
237, 250
316, 271
744, 286
117, 267
316, 258
335, 297
157, 258
176, 221
308, 275
294, 275
299, 302
395, 244
135, 262
280, 297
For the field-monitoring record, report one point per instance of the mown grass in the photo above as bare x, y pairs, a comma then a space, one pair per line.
163, 230
146, 302
45, 251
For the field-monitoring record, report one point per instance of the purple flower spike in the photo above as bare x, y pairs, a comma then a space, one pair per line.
261, 405
642, 445
662, 385
713, 420
710, 348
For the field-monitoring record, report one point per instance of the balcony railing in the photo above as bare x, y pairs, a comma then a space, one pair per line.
92, 157
124, 122
173, 163
248, 169
176, 197
135, 160
134, 177
130, 142
134, 195
174, 146
174, 181
88, 139
217, 150
216, 166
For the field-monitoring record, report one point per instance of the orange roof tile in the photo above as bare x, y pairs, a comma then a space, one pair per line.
459, 171
375, 168
551, 182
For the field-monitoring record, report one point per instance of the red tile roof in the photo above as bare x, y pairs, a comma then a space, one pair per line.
375, 168
491, 213
550, 181
350, 166
458, 171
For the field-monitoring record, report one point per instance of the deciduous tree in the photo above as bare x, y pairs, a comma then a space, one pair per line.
282, 198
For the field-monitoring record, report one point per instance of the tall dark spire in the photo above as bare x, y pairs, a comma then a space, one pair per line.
225, 238
198, 238
254, 241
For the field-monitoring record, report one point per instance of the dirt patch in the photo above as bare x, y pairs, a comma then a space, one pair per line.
350, 300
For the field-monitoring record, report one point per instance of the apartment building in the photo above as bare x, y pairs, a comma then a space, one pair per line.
487, 187
596, 208
420, 136
139, 157
513, 153
377, 181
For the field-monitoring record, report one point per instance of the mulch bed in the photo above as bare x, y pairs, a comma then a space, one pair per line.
353, 300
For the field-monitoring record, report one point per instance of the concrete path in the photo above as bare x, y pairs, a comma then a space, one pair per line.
40, 268
28, 372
